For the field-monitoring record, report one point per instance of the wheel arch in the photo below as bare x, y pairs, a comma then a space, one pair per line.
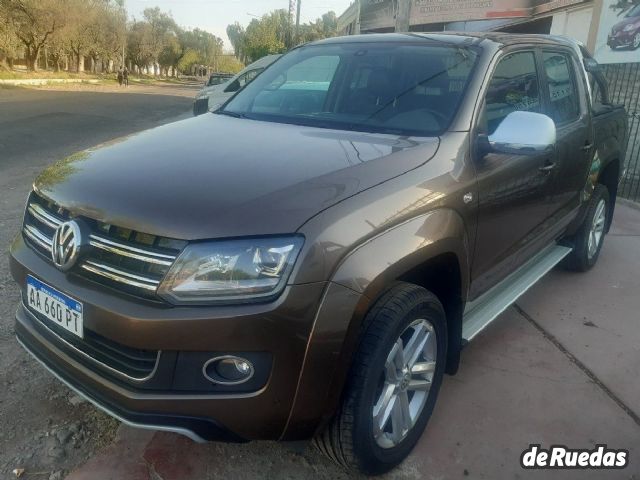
431, 250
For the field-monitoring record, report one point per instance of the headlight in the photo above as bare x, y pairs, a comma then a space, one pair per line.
225, 271
628, 28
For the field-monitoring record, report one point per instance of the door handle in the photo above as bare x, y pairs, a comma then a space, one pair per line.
548, 167
587, 147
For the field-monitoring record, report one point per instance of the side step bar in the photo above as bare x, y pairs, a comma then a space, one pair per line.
483, 310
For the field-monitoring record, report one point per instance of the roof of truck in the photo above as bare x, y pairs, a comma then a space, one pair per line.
455, 38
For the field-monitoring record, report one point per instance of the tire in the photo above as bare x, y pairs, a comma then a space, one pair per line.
588, 241
401, 313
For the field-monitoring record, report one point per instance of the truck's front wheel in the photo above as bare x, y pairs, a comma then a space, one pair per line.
393, 383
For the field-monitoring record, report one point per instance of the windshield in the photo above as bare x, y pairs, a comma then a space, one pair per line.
405, 89
634, 12
218, 79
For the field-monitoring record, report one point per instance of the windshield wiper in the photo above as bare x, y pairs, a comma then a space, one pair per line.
231, 114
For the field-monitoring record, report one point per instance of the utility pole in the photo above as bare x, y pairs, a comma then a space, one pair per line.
402, 15
292, 6
298, 21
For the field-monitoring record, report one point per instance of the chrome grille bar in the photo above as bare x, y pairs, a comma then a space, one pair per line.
42, 215
145, 267
131, 252
38, 237
120, 276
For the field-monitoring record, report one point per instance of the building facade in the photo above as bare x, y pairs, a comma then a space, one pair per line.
592, 22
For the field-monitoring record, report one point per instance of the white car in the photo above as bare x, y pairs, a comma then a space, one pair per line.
213, 95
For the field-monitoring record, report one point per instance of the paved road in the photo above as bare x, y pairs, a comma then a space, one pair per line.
561, 367
39, 427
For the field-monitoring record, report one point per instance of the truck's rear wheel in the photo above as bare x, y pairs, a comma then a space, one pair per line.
393, 383
588, 241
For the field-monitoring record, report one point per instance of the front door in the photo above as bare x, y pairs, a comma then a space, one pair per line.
513, 190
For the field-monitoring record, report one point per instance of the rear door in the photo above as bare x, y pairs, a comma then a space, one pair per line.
566, 103
513, 189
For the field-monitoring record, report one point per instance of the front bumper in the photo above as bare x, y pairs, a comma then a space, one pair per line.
621, 39
174, 397
197, 429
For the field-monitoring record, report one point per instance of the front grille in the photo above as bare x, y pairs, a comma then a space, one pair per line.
133, 363
120, 258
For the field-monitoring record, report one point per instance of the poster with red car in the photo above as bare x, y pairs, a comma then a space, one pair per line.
618, 38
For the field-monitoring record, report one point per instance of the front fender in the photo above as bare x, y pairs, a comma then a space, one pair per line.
375, 264
359, 279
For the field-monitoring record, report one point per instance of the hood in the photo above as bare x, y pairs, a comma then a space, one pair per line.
624, 22
215, 176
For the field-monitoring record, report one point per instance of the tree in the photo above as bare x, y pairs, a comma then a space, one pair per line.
81, 34
9, 43
138, 44
161, 27
34, 22
108, 32
272, 34
324, 27
266, 35
189, 57
172, 53
236, 34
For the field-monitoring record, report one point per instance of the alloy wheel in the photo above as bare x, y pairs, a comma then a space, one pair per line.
405, 383
597, 228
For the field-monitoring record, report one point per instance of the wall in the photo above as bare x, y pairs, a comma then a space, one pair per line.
573, 23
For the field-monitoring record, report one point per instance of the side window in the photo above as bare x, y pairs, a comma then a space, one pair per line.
250, 75
564, 106
513, 87
244, 78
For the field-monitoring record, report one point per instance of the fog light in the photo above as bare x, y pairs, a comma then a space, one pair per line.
228, 370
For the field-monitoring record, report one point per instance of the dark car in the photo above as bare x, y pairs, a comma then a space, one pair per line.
218, 78
626, 33
308, 260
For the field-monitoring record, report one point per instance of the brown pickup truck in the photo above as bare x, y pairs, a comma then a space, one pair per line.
308, 260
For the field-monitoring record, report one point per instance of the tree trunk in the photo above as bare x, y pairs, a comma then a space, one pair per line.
79, 62
31, 56
32, 63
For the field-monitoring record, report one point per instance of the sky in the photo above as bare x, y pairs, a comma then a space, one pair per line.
215, 15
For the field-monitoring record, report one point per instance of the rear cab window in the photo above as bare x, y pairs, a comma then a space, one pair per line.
564, 104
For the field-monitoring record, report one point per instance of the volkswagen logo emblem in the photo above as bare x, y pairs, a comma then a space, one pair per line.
67, 241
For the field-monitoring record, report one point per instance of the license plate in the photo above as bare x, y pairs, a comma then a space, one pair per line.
56, 306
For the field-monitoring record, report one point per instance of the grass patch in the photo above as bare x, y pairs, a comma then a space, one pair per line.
42, 74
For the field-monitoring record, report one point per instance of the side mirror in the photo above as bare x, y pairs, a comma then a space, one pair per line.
233, 86
591, 65
523, 133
